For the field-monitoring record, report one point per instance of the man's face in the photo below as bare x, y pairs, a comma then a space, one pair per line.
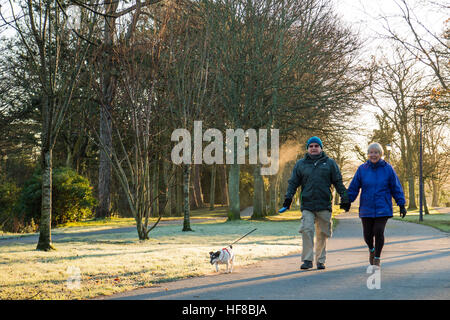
314, 149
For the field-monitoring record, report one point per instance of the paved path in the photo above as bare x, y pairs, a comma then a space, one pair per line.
415, 265
442, 209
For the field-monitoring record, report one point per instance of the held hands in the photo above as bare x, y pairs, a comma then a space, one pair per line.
346, 206
286, 205
402, 211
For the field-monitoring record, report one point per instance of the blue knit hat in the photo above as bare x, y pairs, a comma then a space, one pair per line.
314, 140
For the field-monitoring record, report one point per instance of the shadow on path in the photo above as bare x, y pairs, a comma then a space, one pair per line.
415, 265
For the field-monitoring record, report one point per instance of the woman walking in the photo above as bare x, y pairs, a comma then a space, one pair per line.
378, 183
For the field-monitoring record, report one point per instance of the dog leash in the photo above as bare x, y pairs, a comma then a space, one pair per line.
241, 238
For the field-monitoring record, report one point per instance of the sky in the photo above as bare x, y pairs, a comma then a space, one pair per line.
364, 15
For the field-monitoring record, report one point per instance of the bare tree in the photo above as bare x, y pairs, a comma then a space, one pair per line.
187, 81
422, 43
436, 152
111, 11
134, 126
399, 87
280, 64
43, 30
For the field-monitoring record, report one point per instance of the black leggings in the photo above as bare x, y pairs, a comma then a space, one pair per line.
374, 227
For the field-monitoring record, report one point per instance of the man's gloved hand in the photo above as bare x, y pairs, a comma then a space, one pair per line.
287, 203
402, 211
346, 206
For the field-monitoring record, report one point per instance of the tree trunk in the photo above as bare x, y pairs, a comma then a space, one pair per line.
141, 229
435, 201
234, 210
273, 195
169, 196
104, 171
198, 193
224, 182
212, 191
45, 225
162, 188
278, 190
108, 82
69, 157
168, 205
75, 151
258, 194
173, 191
402, 179
283, 185
186, 208
425, 206
407, 166
410, 171
179, 191
192, 199
155, 189
412, 196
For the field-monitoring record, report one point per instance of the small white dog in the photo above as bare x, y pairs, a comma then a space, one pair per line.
224, 256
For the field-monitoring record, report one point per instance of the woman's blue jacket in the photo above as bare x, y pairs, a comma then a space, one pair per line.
378, 183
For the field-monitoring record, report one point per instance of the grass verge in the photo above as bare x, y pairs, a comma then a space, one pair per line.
436, 220
117, 262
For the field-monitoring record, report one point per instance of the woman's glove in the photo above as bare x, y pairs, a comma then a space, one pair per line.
402, 211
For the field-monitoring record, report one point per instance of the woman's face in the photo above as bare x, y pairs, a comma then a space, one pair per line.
374, 155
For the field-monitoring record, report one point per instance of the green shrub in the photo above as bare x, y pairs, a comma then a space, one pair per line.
72, 198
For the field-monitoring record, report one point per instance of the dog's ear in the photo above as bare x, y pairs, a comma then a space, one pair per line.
210, 253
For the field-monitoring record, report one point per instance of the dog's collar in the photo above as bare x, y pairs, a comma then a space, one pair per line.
226, 250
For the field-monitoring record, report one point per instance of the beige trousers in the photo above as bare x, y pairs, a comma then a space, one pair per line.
321, 222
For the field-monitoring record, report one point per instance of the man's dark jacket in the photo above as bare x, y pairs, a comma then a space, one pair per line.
316, 174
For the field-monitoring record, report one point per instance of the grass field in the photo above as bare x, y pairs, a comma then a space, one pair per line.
116, 262
434, 219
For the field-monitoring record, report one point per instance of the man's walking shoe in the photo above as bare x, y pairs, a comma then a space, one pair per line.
306, 265
371, 256
320, 265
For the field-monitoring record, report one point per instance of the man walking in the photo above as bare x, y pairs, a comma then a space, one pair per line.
315, 173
